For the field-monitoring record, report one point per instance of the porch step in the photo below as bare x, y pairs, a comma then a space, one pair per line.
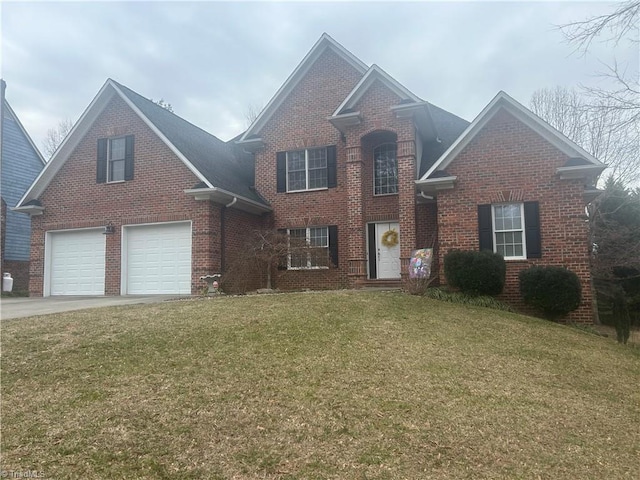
383, 284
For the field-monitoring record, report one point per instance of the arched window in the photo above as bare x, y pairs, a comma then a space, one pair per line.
385, 167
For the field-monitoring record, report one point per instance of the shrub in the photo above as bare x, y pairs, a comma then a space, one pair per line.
555, 291
475, 273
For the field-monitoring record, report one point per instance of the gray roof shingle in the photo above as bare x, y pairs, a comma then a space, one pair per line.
221, 163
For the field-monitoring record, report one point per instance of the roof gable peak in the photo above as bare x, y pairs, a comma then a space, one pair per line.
324, 42
375, 73
503, 101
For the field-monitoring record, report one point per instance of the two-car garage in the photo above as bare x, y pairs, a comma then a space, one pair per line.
155, 259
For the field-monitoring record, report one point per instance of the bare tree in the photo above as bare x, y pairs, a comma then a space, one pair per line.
55, 136
620, 28
251, 113
265, 250
604, 132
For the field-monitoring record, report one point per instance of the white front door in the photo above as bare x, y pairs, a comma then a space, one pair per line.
388, 257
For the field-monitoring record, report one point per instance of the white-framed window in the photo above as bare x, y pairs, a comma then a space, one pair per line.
385, 169
307, 169
508, 230
309, 248
116, 159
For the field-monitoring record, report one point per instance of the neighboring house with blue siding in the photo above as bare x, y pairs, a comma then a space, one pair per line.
21, 162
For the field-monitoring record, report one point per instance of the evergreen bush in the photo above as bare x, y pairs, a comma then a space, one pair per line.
555, 291
475, 273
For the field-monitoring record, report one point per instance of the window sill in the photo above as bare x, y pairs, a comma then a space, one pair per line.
308, 190
306, 269
376, 195
115, 182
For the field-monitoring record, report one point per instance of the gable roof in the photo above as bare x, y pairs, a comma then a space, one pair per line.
375, 73
504, 101
215, 163
325, 42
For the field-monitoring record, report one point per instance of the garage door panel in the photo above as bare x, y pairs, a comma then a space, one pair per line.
158, 259
77, 260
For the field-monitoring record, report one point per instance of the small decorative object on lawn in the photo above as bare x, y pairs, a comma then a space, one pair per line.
212, 283
390, 238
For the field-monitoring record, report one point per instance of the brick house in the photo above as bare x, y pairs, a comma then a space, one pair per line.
341, 155
21, 162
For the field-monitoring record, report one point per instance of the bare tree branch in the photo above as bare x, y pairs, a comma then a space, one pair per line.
619, 24
55, 136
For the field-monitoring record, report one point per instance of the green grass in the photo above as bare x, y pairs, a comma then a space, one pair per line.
312, 386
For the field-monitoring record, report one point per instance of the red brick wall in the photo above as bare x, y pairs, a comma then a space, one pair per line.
507, 160
156, 194
301, 121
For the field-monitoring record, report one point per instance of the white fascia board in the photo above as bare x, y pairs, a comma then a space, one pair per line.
69, 143
160, 135
374, 73
303, 67
502, 100
31, 210
579, 171
435, 184
224, 196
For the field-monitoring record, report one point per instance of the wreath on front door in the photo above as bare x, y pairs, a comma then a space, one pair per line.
390, 238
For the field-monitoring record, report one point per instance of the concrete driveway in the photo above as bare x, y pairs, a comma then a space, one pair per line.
18, 307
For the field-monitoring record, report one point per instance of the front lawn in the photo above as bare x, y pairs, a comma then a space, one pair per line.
312, 386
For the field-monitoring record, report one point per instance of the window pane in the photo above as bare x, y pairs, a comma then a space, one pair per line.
297, 242
116, 170
318, 178
116, 150
317, 158
385, 169
518, 250
319, 236
295, 160
297, 180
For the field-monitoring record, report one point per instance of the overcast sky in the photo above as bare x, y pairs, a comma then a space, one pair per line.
213, 60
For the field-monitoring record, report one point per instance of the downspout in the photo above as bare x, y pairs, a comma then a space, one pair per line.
223, 210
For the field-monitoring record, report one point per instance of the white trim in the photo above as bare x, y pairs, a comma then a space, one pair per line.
504, 101
375, 73
522, 229
46, 273
79, 130
160, 135
290, 83
213, 192
306, 169
307, 237
123, 249
397, 192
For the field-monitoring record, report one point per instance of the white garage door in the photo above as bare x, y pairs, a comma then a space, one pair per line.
158, 259
76, 262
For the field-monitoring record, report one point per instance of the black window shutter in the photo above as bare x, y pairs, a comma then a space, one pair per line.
128, 157
373, 263
332, 173
485, 229
532, 229
101, 164
333, 244
281, 171
282, 262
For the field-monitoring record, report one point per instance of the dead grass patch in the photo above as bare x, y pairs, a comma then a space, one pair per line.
328, 385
